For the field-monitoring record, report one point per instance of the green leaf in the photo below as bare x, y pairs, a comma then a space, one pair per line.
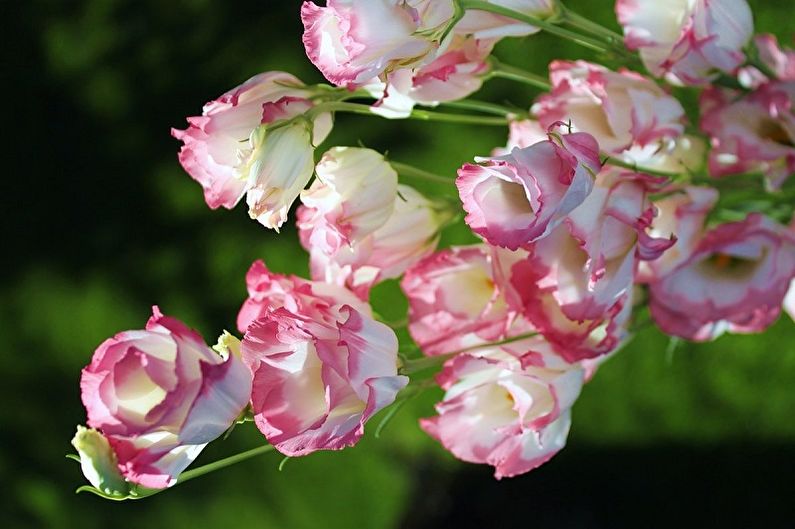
97, 492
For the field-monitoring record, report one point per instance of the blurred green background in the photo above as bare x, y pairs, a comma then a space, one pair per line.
101, 223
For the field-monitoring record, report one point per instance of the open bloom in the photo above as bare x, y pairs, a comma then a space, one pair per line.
752, 133
353, 41
454, 74
484, 25
507, 407
455, 300
735, 280
576, 285
319, 377
219, 145
620, 109
687, 39
410, 233
683, 211
158, 396
268, 291
518, 198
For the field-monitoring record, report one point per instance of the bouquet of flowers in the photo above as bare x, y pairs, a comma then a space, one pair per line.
609, 209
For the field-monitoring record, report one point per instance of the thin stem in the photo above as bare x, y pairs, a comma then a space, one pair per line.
610, 160
222, 463
483, 106
728, 181
513, 73
762, 67
549, 27
427, 115
421, 364
580, 22
415, 172
423, 115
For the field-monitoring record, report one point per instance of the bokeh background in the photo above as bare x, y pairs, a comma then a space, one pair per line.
100, 222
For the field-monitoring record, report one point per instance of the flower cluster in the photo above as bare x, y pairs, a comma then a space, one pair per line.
609, 206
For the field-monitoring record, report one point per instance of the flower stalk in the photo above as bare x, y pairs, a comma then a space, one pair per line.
505, 71
549, 27
421, 115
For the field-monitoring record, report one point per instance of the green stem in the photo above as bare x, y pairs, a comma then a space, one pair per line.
762, 67
729, 181
513, 73
421, 364
415, 172
610, 160
580, 22
582, 40
222, 463
483, 106
422, 115
427, 115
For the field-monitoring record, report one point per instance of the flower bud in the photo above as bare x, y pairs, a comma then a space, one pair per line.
354, 191
281, 165
216, 152
98, 462
408, 235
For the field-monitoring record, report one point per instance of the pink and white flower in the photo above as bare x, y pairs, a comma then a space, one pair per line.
576, 285
268, 291
518, 198
409, 234
218, 145
281, 166
780, 62
508, 407
751, 133
455, 300
620, 109
789, 300
686, 154
319, 377
522, 134
735, 281
456, 73
687, 40
682, 212
353, 41
158, 396
354, 192
485, 25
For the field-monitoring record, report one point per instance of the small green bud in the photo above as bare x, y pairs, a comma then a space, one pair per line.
98, 462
